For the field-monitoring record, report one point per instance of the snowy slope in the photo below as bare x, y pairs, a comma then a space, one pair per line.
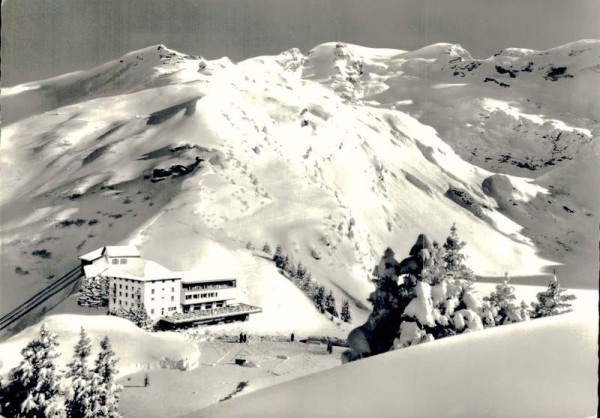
545, 368
323, 153
136, 349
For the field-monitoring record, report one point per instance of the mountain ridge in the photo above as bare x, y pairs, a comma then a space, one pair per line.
333, 153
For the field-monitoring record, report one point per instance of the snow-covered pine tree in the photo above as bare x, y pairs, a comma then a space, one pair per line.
266, 248
78, 397
105, 390
306, 284
435, 271
330, 305
345, 314
94, 292
291, 267
319, 299
488, 315
104, 290
388, 300
139, 316
285, 264
524, 311
503, 302
552, 301
34, 388
300, 271
453, 257
442, 303
278, 256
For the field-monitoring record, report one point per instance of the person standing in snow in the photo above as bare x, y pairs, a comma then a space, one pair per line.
241, 337
292, 337
146, 381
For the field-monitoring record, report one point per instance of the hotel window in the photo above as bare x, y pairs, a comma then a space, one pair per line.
115, 261
172, 298
172, 289
126, 295
151, 311
123, 261
119, 302
126, 287
152, 291
152, 300
120, 293
120, 286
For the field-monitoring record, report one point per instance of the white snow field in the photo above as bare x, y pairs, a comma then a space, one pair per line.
135, 348
541, 368
335, 154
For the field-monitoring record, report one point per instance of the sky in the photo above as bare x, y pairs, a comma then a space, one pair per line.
45, 38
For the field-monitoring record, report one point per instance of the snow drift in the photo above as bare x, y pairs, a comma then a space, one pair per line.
136, 349
545, 367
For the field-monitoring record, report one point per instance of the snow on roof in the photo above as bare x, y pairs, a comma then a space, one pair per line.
92, 255
111, 251
121, 251
141, 269
93, 270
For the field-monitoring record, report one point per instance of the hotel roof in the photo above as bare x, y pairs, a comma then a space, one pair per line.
111, 251
141, 269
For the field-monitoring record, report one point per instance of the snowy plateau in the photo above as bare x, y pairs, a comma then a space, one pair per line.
335, 154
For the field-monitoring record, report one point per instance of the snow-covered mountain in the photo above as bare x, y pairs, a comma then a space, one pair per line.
335, 154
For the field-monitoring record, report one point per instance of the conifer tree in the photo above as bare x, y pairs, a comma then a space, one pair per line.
267, 248
34, 385
345, 314
330, 305
278, 257
453, 257
552, 301
285, 265
503, 300
319, 299
300, 271
290, 267
306, 284
105, 390
78, 399
139, 316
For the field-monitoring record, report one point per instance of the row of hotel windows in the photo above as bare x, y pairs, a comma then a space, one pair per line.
119, 261
152, 300
162, 310
152, 290
201, 296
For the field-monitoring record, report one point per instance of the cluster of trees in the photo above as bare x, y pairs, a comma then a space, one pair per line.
302, 278
93, 292
36, 388
430, 295
139, 316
